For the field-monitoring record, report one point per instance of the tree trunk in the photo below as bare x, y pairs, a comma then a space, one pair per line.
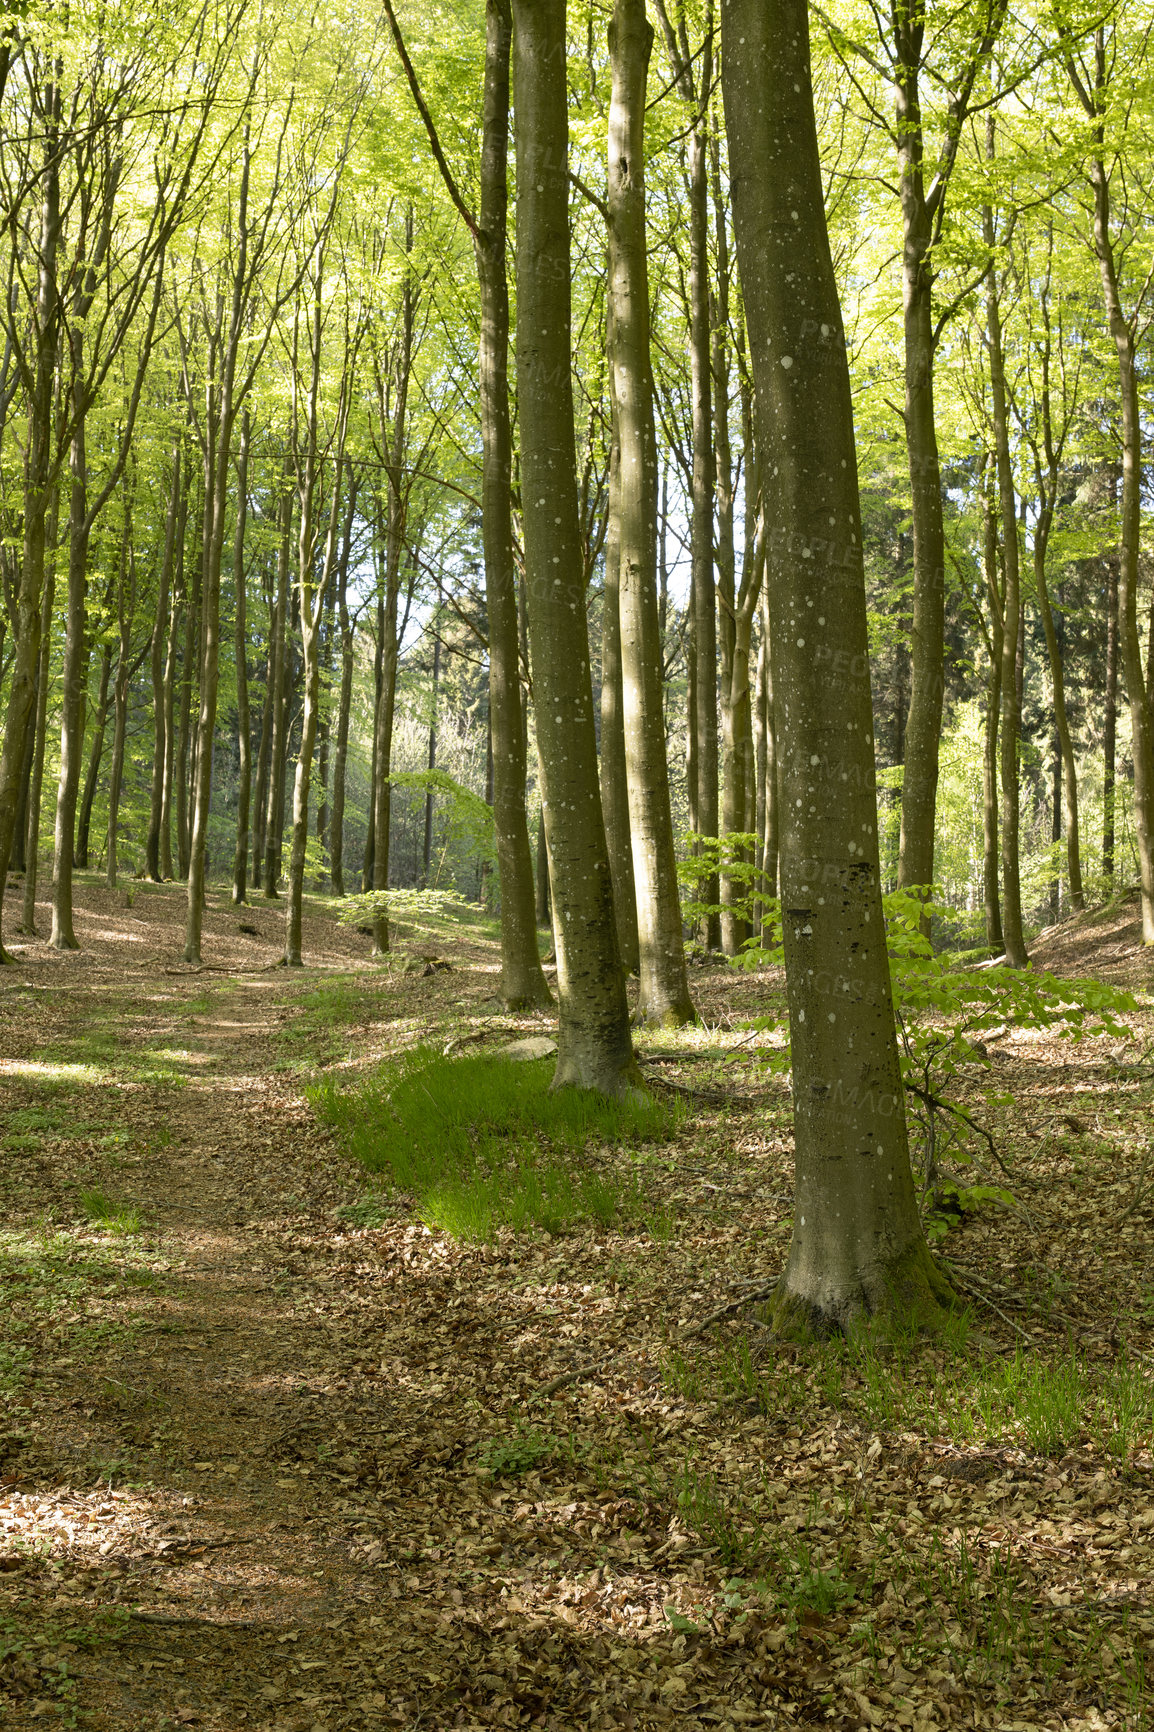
161, 684
240, 640
95, 754
126, 608
1129, 642
32, 819
594, 1048
38, 487
431, 762
857, 1244
704, 595
523, 984
544, 905
270, 870
664, 995
614, 777
264, 750
188, 684
1065, 808
344, 702
991, 838
1016, 954
1110, 724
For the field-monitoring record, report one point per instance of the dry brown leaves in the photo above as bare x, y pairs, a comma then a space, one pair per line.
267, 1469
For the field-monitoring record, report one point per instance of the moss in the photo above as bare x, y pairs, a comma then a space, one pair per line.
909, 1295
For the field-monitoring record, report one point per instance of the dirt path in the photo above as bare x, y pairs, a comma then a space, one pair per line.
250, 1444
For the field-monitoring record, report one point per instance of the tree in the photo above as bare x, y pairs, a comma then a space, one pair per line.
664, 996
857, 1245
1092, 83
523, 982
594, 1049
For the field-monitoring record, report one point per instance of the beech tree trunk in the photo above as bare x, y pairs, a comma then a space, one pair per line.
857, 1244
1015, 943
991, 835
594, 1048
344, 701
38, 486
1110, 721
278, 744
36, 783
240, 641
1129, 641
1095, 99
126, 608
95, 754
664, 994
523, 985
614, 777
161, 682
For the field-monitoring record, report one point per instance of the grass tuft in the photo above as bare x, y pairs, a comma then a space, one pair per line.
483, 1143
99, 1208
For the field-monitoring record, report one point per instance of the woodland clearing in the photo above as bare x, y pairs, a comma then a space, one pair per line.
277, 1454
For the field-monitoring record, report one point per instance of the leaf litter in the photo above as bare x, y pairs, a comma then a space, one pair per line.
279, 1455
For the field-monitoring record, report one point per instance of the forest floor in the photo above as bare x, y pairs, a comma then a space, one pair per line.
267, 1467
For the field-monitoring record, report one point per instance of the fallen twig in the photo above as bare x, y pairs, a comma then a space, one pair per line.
970, 1286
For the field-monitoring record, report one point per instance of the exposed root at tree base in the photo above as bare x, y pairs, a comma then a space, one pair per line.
910, 1296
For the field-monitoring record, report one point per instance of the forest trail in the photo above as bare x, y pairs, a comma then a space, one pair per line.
268, 1464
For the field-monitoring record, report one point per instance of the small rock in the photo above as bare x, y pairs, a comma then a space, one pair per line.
535, 1046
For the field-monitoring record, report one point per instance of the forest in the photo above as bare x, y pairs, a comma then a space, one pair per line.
577, 846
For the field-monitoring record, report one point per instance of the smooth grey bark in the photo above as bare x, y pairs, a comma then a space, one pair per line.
594, 1048
858, 1245
38, 487
769, 803
614, 776
345, 698
1015, 944
188, 687
161, 671
95, 756
125, 610
278, 742
431, 760
996, 600
1047, 467
240, 644
36, 782
543, 907
312, 589
664, 991
694, 78
1110, 721
393, 395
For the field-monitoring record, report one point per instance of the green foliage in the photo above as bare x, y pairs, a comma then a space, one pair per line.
735, 857
509, 1457
413, 906
481, 1142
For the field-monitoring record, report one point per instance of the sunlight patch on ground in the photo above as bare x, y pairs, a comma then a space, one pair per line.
79, 1073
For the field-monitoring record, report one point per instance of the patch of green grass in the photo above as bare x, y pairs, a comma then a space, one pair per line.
482, 1143
527, 1448
1043, 1403
371, 1210
114, 1217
